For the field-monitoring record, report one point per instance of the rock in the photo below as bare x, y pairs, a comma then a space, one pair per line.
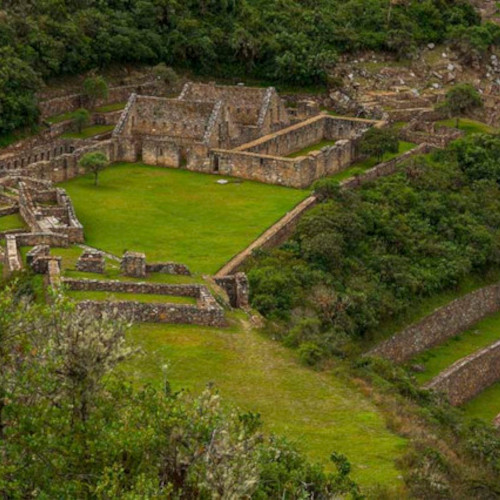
417, 368
444, 55
451, 67
436, 86
431, 45
222, 181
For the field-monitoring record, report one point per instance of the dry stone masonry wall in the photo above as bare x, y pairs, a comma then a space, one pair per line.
441, 325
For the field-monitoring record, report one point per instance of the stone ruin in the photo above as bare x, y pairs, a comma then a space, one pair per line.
91, 261
38, 259
215, 129
134, 264
237, 289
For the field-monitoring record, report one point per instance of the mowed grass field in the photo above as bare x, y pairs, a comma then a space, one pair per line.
176, 215
320, 411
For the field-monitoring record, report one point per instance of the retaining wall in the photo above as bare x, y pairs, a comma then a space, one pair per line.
469, 376
442, 324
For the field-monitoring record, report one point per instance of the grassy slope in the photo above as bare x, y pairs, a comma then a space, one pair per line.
89, 132
320, 411
440, 357
469, 126
175, 214
11, 222
485, 406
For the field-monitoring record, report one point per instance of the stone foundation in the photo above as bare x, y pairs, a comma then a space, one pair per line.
206, 311
168, 268
91, 261
134, 264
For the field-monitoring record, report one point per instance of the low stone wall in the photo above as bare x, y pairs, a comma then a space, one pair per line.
237, 289
141, 312
206, 311
12, 258
182, 290
469, 376
168, 268
442, 324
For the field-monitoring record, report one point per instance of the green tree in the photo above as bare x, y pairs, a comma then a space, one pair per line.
461, 100
81, 118
166, 74
94, 163
94, 88
379, 141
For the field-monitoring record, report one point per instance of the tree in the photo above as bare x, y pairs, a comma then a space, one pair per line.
81, 118
94, 88
460, 100
166, 74
94, 163
18, 84
379, 141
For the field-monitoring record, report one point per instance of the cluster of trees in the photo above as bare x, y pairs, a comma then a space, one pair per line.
73, 426
365, 256
294, 41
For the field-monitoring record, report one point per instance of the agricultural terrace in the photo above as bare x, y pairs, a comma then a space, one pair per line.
176, 215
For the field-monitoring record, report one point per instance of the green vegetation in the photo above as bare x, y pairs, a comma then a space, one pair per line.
94, 163
87, 431
319, 411
8, 138
89, 132
313, 147
62, 117
117, 106
292, 43
378, 142
460, 100
435, 360
367, 256
486, 405
139, 297
11, 222
363, 165
175, 214
469, 126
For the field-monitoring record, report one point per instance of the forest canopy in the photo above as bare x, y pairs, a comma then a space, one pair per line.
288, 41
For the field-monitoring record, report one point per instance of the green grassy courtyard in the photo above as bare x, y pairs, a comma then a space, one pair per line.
176, 215
14, 221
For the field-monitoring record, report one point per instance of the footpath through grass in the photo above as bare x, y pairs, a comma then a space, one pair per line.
320, 411
176, 215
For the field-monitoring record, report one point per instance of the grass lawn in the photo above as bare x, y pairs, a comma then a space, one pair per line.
89, 132
120, 296
111, 107
62, 117
469, 126
363, 165
310, 149
176, 215
485, 406
440, 357
320, 411
13, 221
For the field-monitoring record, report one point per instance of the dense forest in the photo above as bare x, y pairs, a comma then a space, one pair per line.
361, 257
280, 40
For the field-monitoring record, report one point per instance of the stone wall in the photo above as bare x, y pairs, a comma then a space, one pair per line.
283, 229
420, 132
168, 268
237, 288
469, 376
442, 324
12, 258
206, 311
68, 103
